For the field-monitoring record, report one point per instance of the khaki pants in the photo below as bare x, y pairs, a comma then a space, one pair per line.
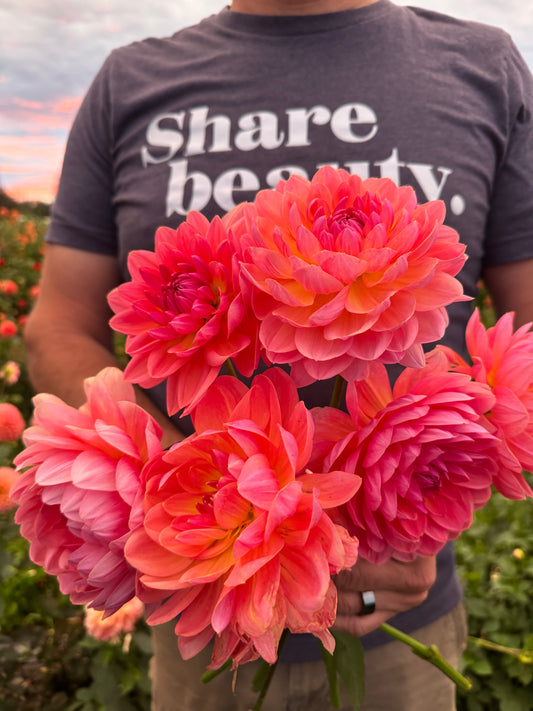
395, 678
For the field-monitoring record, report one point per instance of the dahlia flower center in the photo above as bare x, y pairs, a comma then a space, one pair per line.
186, 292
346, 217
429, 481
353, 217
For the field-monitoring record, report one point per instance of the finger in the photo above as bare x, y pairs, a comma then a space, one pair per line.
413, 577
350, 603
359, 625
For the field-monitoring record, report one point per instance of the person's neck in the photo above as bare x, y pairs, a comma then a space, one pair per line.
296, 7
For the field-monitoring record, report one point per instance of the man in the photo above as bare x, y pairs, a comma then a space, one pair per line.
204, 119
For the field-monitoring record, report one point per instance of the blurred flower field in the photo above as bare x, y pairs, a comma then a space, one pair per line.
48, 659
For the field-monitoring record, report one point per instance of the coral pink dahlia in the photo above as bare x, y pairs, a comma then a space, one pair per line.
80, 496
183, 313
236, 534
424, 455
503, 360
347, 271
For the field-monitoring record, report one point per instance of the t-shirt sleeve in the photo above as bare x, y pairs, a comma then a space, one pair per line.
82, 213
509, 234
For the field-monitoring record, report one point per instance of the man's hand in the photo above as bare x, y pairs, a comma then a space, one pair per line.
397, 587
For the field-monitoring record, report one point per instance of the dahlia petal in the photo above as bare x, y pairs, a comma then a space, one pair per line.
231, 509
333, 488
254, 559
284, 505
94, 470
257, 482
311, 343
276, 336
290, 292
271, 263
184, 390
55, 469
305, 580
323, 370
369, 346
313, 278
174, 605
189, 647
218, 403
362, 300
345, 268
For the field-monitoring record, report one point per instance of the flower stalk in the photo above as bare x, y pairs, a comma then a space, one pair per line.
270, 675
431, 654
338, 389
523, 655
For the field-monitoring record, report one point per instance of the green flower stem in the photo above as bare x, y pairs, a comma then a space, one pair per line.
230, 367
338, 390
430, 654
523, 655
259, 703
211, 674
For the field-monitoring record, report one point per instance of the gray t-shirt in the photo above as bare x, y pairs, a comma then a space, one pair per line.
205, 118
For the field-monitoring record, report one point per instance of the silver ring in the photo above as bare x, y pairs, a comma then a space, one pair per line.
368, 599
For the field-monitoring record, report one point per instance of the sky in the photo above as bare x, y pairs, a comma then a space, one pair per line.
51, 50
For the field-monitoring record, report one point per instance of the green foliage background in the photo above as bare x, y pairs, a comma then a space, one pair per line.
47, 661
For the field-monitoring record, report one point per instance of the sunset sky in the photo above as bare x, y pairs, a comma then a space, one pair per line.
51, 50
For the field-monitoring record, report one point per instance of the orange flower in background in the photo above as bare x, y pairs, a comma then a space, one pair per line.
8, 329
7, 286
346, 271
8, 477
31, 231
109, 629
11, 423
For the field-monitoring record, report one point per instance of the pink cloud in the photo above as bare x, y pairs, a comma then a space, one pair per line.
42, 188
48, 115
30, 158
28, 104
29, 150
67, 105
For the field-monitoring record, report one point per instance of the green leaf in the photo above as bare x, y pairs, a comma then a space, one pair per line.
350, 664
482, 667
260, 676
331, 671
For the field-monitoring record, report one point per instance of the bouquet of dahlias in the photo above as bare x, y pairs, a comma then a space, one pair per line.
237, 531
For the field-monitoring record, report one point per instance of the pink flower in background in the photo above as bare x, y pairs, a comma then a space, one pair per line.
424, 455
11, 422
109, 629
345, 272
81, 496
8, 477
503, 360
183, 312
10, 372
236, 533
